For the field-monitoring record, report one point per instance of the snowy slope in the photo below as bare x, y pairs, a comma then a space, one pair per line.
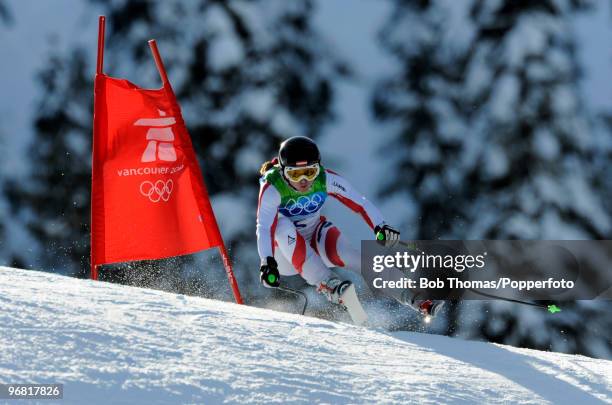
115, 344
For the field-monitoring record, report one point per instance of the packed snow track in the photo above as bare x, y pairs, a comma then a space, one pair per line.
114, 344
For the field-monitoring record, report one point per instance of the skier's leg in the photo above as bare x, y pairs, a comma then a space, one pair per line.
297, 251
285, 268
335, 249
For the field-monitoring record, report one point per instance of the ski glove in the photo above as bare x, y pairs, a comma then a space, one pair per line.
268, 273
387, 235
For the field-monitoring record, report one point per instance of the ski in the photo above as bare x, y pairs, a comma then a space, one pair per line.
350, 301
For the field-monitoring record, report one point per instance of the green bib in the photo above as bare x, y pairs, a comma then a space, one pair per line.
294, 204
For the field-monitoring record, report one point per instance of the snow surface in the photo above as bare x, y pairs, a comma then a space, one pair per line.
109, 343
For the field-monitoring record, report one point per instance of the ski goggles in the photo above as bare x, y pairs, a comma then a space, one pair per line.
304, 172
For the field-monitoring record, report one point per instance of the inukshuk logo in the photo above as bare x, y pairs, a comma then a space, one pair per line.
159, 147
160, 137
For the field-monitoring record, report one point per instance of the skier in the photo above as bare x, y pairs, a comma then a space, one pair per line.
294, 238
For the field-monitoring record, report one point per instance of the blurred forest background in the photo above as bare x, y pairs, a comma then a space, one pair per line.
475, 120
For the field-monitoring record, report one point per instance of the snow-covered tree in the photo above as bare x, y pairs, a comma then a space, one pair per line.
533, 154
530, 149
491, 137
5, 19
246, 73
5, 14
604, 162
423, 98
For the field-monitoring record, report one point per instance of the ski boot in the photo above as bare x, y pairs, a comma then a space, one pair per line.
427, 308
333, 288
343, 293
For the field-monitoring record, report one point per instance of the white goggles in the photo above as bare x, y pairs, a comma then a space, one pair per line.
297, 173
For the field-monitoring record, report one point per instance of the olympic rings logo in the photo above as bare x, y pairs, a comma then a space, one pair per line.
304, 205
158, 191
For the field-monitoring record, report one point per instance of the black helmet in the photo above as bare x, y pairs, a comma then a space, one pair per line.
298, 151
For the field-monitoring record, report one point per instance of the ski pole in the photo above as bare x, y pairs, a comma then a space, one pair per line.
552, 308
295, 292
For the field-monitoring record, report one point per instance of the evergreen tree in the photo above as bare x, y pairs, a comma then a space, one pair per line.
534, 157
5, 14
531, 147
5, 19
484, 122
246, 74
492, 140
423, 98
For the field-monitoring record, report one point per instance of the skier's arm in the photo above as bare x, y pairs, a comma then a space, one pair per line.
339, 188
267, 211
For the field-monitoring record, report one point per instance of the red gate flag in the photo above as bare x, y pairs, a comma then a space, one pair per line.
148, 195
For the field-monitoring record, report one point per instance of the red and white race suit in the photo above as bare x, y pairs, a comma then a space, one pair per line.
307, 243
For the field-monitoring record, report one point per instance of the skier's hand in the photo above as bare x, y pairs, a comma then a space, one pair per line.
387, 235
268, 273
